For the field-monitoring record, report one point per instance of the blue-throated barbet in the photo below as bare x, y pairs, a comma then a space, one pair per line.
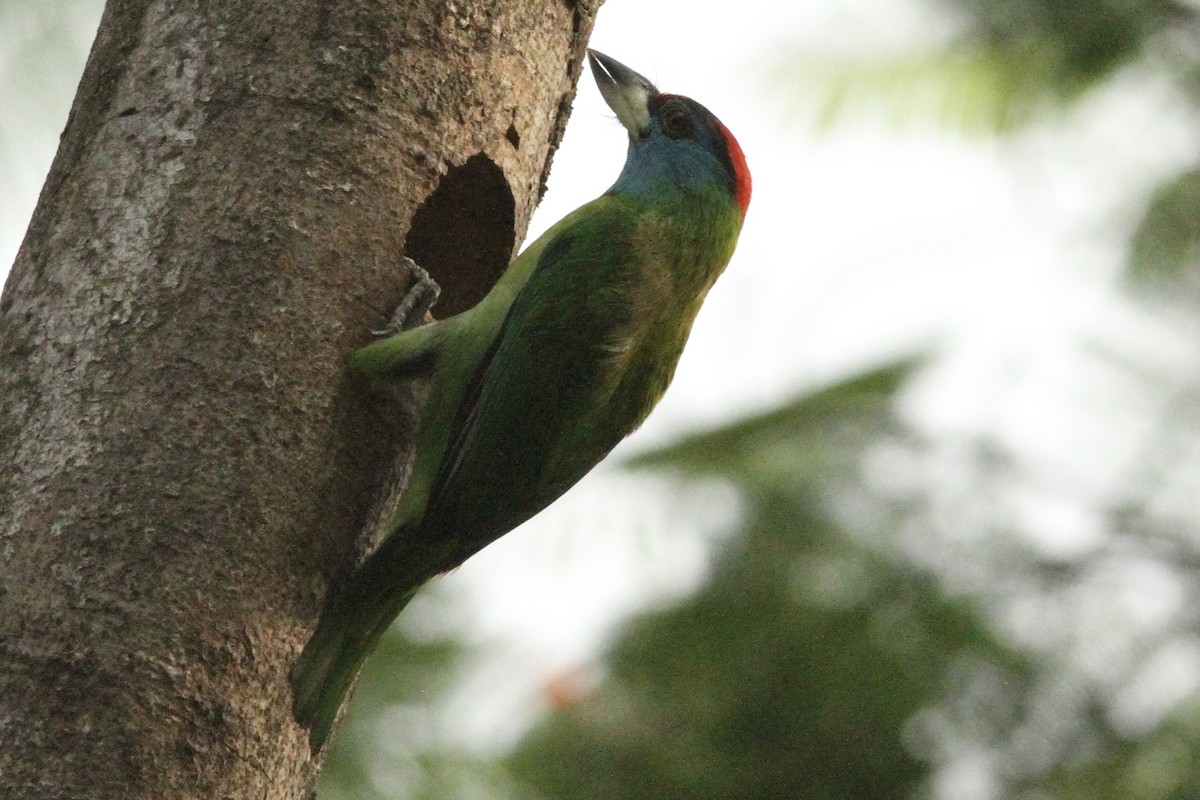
531, 388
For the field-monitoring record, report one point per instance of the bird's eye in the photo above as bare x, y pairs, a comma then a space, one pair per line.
676, 122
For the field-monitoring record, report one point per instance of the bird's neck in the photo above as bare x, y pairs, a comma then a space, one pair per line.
684, 175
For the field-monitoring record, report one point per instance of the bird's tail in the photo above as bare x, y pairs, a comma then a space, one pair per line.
353, 621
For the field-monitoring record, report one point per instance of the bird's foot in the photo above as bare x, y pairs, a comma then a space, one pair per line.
422, 293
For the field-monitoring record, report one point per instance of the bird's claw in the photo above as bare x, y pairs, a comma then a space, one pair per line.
422, 293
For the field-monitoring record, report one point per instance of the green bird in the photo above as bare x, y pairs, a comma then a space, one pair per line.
531, 388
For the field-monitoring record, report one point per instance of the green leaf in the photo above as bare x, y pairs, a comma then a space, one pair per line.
802, 442
1165, 251
1012, 63
969, 92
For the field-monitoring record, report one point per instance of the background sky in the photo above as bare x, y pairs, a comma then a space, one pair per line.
868, 237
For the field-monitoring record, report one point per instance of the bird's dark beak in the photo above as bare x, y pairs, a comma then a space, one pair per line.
625, 91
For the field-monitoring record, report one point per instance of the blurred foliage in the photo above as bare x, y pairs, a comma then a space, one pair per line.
798, 667
1159, 766
1066, 46
1165, 252
1011, 63
971, 93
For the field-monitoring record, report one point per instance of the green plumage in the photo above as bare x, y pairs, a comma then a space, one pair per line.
529, 390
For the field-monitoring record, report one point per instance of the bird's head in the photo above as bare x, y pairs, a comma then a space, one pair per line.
671, 138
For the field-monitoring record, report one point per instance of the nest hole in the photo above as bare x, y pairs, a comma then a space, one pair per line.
463, 233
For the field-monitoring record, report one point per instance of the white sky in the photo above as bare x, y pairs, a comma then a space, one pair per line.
861, 244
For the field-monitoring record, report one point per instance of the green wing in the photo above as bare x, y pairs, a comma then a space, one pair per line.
537, 416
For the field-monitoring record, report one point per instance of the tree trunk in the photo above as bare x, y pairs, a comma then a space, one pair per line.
188, 463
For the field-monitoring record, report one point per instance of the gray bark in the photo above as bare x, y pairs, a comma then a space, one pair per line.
188, 463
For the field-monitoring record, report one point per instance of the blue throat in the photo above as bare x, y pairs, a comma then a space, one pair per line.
656, 162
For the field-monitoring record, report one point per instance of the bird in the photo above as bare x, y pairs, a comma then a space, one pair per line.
532, 387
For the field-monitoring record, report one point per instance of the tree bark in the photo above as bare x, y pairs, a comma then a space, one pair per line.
188, 462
